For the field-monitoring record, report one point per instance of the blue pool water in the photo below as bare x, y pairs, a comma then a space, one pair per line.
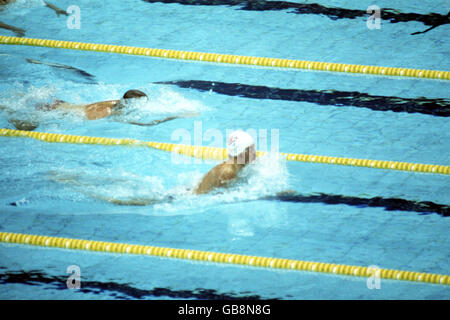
34, 198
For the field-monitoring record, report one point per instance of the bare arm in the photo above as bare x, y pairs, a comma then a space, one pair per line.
153, 123
18, 31
217, 177
57, 10
156, 122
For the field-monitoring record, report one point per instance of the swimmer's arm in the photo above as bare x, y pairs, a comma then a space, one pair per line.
69, 106
216, 178
57, 10
153, 123
156, 122
19, 32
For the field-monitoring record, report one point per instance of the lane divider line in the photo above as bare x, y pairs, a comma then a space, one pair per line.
225, 258
213, 153
231, 59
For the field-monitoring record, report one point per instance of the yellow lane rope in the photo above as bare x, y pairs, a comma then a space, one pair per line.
226, 258
213, 153
230, 59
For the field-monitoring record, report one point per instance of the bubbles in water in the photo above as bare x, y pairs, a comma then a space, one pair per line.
24, 4
267, 176
160, 103
21, 102
27, 103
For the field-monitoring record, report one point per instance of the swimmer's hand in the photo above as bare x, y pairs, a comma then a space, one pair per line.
156, 122
57, 10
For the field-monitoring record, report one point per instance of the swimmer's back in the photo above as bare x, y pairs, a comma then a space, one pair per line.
99, 110
91, 111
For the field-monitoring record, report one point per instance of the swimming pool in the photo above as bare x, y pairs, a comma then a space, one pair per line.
330, 221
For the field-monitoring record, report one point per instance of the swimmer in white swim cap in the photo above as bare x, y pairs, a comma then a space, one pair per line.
241, 151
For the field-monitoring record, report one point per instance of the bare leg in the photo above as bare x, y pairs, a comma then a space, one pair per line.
83, 186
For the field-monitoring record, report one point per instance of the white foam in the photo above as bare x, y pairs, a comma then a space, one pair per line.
267, 176
161, 103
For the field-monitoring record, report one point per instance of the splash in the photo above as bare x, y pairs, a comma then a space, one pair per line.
109, 186
21, 4
267, 176
21, 102
161, 102
24, 103
25, 108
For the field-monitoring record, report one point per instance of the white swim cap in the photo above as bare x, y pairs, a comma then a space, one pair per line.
237, 142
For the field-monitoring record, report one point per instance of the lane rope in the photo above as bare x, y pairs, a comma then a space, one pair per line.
230, 59
226, 258
213, 153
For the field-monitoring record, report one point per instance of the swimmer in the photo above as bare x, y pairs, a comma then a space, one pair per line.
57, 10
241, 151
93, 111
18, 31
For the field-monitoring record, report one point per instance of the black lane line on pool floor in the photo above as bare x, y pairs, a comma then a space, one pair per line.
435, 107
389, 204
117, 290
433, 20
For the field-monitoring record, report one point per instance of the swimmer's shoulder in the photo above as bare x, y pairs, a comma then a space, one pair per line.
226, 171
101, 104
99, 110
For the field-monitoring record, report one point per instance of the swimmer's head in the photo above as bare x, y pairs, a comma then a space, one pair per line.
134, 94
130, 96
241, 148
